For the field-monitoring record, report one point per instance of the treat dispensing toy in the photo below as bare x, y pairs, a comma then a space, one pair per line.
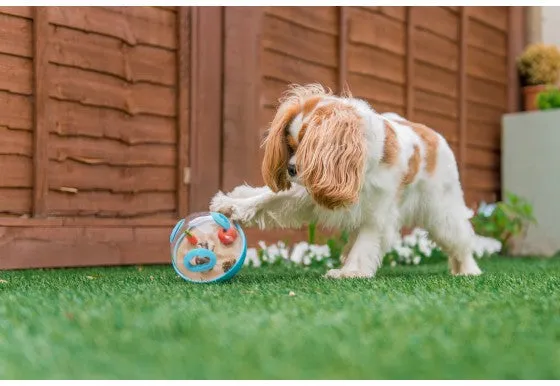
207, 247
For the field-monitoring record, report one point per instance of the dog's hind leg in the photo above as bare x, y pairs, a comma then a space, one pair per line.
449, 226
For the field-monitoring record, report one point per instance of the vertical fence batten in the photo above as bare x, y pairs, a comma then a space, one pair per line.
206, 106
516, 42
462, 94
40, 93
342, 49
410, 63
242, 96
183, 110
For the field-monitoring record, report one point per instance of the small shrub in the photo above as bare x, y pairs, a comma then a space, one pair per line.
504, 220
549, 99
539, 64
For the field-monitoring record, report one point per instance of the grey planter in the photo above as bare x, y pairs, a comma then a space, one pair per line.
531, 168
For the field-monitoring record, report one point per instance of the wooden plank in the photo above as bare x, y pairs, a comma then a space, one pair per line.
487, 93
386, 108
70, 222
94, 89
495, 17
16, 36
410, 61
483, 158
486, 66
106, 204
113, 153
20, 11
377, 90
477, 112
464, 57
516, 43
72, 119
69, 176
377, 30
448, 127
16, 142
438, 20
483, 180
16, 111
484, 135
206, 105
371, 61
15, 201
322, 19
242, 96
17, 171
153, 15
41, 86
435, 50
36, 247
343, 20
397, 13
128, 29
107, 55
183, 109
435, 80
488, 38
292, 70
16, 74
294, 40
437, 104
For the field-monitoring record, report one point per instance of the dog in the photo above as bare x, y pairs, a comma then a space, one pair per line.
332, 159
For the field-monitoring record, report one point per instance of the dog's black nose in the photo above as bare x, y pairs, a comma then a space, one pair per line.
292, 171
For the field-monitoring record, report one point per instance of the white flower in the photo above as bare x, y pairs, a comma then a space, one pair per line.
393, 263
416, 260
404, 251
252, 257
299, 250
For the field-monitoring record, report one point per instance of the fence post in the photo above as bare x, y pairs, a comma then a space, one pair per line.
462, 94
410, 27
206, 93
342, 44
40, 94
183, 111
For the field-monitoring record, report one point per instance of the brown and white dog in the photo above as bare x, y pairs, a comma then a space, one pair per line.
335, 161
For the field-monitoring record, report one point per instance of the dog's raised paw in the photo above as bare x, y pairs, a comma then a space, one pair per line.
346, 274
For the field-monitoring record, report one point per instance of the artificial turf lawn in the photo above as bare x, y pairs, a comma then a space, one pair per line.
409, 322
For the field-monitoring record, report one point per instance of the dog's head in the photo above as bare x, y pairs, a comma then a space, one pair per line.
316, 139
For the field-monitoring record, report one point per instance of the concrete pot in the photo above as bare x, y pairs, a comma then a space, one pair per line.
530, 160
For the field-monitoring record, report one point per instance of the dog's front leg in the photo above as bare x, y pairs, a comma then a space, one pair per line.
263, 208
364, 257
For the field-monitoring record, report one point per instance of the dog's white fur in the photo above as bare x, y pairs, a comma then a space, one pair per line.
433, 201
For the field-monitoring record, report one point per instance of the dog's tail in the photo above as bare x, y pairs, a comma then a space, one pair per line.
484, 245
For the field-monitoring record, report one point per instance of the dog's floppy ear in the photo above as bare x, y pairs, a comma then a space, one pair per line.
331, 156
276, 153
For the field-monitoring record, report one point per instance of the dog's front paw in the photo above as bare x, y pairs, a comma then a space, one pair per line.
231, 207
343, 274
221, 203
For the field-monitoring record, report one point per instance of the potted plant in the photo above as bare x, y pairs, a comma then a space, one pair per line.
539, 67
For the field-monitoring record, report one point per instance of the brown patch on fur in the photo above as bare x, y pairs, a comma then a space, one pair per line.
413, 167
302, 131
276, 150
310, 104
292, 143
390, 146
431, 141
331, 156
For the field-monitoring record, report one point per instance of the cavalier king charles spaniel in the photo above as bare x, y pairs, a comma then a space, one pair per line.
335, 161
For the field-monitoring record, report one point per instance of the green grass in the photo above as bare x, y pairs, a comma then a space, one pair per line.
408, 322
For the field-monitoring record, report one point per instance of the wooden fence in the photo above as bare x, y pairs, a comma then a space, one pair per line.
118, 120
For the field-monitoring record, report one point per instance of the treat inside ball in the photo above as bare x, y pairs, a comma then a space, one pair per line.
207, 247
